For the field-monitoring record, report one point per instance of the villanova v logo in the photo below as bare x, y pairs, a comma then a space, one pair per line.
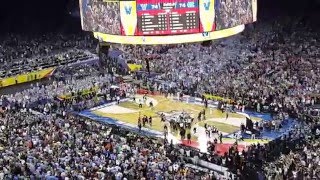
128, 9
144, 6
205, 34
206, 5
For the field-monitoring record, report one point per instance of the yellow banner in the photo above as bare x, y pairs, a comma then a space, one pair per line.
216, 98
134, 67
82, 93
128, 14
207, 14
27, 77
254, 10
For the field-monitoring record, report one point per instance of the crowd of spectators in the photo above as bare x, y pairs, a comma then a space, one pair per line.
78, 148
101, 16
228, 17
20, 54
303, 164
265, 62
292, 156
67, 83
268, 67
82, 149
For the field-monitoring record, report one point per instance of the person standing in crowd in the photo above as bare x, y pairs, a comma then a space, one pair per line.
253, 135
165, 131
118, 99
206, 103
139, 126
204, 114
189, 138
140, 103
199, 116
220, 137
150, 121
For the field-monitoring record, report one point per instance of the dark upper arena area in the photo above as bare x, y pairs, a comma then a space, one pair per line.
62, 15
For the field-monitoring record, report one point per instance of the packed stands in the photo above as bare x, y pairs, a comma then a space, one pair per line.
267, 69
22, 54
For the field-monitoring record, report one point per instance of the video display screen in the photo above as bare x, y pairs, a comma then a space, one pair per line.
245, 11
226, 14
167, 17
230, 13
101, 16
164, 17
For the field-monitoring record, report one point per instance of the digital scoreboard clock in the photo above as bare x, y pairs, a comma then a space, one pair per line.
167, 17
165, 21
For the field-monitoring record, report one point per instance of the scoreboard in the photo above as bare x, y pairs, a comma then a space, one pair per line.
165, 21
167, 17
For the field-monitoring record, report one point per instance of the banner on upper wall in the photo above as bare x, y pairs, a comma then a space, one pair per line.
27, 77
100, 16
168, 39
134, 67
82, 93
207, 15
128, 12
254, 10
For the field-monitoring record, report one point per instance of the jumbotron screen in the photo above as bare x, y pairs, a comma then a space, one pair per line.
145, 19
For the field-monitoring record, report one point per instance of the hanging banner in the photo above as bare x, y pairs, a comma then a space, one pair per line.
207, 15
254, 10
128, 12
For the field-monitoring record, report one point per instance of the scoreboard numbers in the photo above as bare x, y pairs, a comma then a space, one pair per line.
165, 18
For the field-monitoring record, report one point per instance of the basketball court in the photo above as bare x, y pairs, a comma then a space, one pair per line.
127, 112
